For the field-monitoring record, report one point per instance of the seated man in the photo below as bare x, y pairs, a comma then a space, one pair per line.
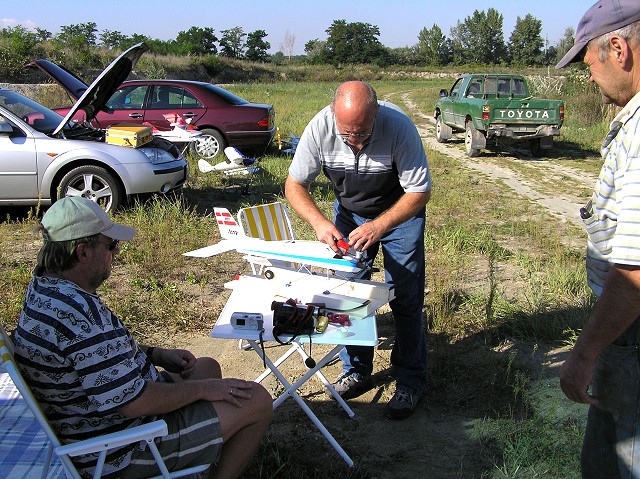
91, 377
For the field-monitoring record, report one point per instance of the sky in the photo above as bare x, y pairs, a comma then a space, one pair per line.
399, 21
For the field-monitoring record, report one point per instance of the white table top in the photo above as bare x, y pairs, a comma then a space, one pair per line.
254, 294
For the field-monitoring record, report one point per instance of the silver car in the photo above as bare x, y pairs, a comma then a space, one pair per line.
44, 156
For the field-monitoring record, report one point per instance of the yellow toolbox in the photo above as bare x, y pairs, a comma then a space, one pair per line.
129, 135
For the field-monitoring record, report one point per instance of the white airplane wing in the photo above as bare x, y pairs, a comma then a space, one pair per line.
221, 247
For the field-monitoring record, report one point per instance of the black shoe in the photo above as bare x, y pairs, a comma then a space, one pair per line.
403, 403
351, 385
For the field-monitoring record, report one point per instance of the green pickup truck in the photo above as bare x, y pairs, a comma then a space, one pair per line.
496, 108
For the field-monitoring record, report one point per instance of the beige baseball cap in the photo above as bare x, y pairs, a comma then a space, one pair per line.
75, 217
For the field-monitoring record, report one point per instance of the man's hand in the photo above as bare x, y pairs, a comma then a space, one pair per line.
177, 361
365, 235
326, 232
228, 390
575, 377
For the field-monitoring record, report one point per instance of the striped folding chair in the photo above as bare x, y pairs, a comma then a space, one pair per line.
269, 222
99, 444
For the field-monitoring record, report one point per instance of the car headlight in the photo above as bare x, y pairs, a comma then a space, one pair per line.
157, 155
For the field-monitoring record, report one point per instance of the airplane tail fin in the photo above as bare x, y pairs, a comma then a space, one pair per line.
229, 227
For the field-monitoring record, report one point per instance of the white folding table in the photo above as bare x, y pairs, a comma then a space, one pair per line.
254, 294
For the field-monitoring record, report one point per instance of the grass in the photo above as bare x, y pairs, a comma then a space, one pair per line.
497, 269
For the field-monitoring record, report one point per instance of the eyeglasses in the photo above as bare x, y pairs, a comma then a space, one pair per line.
111, 245
357, 136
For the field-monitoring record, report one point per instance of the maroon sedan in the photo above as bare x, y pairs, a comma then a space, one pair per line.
224, 119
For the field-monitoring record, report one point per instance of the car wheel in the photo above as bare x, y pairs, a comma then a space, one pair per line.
208, 145
94, 183
469, 133
443, 131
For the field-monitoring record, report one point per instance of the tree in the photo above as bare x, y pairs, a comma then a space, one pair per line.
565, 43
43, 35
78, 36
354, 43
17, 47
287, 44
479, 39
112, 39
232, 42
197, 41
316, 51
525, 43
433, 48
257, 47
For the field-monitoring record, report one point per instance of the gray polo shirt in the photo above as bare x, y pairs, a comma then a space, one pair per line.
391, 163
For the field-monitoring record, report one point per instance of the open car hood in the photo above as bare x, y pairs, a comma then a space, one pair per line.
92, 98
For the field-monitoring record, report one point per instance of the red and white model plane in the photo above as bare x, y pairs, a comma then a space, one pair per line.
305, 253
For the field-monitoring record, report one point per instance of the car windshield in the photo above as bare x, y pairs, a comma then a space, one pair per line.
227, 95
33, 113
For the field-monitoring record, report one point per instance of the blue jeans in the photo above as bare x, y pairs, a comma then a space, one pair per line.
611, 446
404, 265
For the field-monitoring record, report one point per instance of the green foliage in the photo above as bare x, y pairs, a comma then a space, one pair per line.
525, 43
479, 39
354, 43
197, 41
433, 49
18, 46
257, 47
232, 42
78, 37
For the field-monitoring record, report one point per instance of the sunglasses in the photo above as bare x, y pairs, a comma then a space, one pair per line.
111, 245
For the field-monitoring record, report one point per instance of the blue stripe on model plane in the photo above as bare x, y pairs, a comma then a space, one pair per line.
301, 259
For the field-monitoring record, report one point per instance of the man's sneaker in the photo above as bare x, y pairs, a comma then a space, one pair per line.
351, 385
403, 403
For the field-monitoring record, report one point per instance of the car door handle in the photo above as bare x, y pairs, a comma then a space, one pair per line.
135, 115
189, 115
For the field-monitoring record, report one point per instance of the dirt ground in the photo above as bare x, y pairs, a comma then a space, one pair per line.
440, 440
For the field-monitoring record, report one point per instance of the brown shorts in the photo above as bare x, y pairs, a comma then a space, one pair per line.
194, 438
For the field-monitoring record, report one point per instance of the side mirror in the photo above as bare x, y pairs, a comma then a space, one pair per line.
444, 93
5, 128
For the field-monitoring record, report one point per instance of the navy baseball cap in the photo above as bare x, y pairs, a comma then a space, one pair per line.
603, 17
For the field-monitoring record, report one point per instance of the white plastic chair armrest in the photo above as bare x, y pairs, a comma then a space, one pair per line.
115, 439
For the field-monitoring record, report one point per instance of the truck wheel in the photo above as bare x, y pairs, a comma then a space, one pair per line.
443, 131
469, 133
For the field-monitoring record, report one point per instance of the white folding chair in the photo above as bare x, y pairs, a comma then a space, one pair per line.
269, 222
100, 444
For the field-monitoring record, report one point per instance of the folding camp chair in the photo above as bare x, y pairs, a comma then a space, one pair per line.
269, 222
100, 444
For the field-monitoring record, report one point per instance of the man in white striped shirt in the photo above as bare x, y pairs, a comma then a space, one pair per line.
606, 352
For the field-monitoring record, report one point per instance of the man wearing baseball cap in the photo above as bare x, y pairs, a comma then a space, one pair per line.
91, 377
605, 354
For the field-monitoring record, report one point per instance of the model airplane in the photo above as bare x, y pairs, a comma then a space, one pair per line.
306, 253
236, 164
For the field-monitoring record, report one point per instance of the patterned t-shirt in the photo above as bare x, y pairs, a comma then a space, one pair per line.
82, 365
614, 222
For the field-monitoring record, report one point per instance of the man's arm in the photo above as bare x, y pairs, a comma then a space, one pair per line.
161, 398
301, 201
616, 309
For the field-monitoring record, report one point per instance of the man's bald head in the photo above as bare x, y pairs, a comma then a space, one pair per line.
354, 106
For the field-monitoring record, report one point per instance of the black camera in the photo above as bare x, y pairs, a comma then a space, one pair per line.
292, 318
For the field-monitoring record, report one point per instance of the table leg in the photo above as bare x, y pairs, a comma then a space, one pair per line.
291, 391
328, 385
